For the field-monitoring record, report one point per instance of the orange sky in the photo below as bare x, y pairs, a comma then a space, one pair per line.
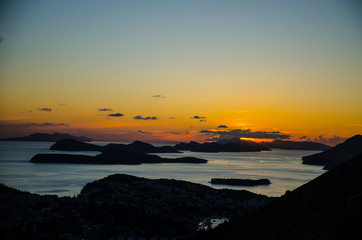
293, 68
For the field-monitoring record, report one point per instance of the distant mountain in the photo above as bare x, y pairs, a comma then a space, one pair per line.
44, 137
328, 207
142, 147
136, 146
296, 145
230, 146
75, 145
336, 155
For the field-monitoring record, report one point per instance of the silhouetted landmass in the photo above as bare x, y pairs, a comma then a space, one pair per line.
74, 145
296, 145
241, 146
141, 147
336, 155
328, 207
120, 207
136, 146
111, 157
44, 137
240, 182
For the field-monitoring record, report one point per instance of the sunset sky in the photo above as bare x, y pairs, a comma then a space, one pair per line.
182, 70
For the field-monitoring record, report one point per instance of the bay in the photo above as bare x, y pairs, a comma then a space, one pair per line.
283, 168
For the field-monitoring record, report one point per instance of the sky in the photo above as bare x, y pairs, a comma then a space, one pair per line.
169, 71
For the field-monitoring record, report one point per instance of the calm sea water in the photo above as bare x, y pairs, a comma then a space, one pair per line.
282, 167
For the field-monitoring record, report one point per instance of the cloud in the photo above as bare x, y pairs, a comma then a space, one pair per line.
158, 96
115, 115
45, 109
105, 110
46, 124
145, 118
202, 119
304, 137
197, 117
222, 126
246, 133
62, 105
330, 141
171, 118
172, 133
142, 132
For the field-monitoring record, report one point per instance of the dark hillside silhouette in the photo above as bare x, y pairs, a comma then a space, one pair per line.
328, 207
336, 155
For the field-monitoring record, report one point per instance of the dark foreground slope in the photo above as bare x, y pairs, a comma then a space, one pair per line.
120, 207
329, 207
336, 155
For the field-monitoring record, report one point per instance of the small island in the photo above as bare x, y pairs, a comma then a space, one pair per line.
240, 182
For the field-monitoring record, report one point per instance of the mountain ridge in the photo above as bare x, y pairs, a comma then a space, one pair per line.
45, 137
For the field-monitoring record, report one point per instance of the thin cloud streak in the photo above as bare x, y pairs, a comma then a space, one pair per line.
115, 115
45, 109
144, 118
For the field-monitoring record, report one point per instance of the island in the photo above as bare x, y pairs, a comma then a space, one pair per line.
240, 146
75, 145
240, 182
305, 145
136, 146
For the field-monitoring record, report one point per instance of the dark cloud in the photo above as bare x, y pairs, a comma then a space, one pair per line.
222, 126
173, 133
45, 109
209, 132
145, 118
46, 124
246, 133
197, 117
304, 137
330, 141
171, 118
105, 109
142, 132
201, 119
158, 96
115, 115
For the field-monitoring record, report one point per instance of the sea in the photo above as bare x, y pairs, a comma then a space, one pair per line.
283, 168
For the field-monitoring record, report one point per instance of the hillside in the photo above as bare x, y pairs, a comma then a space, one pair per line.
328, 207
336, 155
120, 207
